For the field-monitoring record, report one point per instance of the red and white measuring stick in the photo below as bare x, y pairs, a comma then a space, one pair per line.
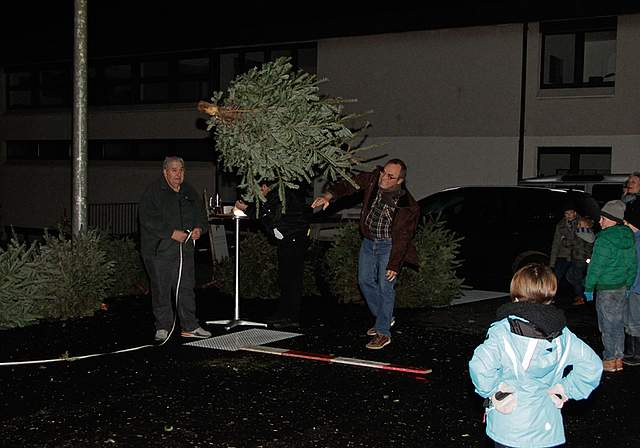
333, 358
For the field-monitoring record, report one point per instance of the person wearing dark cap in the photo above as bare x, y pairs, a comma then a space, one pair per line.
612, 272
632, 321
565, 233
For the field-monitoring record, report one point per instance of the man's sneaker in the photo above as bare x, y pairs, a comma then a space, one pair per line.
372, 331
379, 341
161, 335
285, 322
197, 333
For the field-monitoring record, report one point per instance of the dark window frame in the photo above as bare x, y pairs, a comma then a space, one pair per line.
31, 149
577, 28
36, 85
99, 85
574, 153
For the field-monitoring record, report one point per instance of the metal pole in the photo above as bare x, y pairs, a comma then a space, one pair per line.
237, 268
523, 101
79, 218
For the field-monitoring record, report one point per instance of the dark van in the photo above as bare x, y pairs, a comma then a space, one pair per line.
504, 228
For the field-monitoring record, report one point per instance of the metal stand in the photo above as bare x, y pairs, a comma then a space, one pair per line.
229, 324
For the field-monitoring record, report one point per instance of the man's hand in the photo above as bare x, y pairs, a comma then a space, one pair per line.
196, 233
322, 200
180, 236
391, 275
241, 205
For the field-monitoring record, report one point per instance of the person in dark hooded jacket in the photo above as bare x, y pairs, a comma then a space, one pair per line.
287, 228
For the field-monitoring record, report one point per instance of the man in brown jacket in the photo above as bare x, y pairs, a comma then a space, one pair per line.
388, 222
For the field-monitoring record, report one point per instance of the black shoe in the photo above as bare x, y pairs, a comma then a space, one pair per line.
272, 319
285, 322
632, 352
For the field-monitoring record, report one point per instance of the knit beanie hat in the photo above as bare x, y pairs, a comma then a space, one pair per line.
614, 210
569, 205
632, 214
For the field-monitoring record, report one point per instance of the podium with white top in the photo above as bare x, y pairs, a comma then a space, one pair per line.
236, 320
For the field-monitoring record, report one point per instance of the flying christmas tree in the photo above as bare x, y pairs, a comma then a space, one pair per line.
273, 125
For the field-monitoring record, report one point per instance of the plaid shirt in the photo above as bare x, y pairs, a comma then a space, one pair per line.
380, 217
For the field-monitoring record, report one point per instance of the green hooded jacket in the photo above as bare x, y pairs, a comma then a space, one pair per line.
614, 262
162, 211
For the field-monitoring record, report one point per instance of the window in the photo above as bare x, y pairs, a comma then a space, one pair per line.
574, 160
117, 84
42, 149
195, 150
234, 64
155, 81
578, 53
43, 86
194, 79
171, 78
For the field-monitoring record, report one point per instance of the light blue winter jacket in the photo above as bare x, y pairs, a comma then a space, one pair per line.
531, 366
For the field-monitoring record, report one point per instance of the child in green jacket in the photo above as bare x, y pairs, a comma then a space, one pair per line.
612, 271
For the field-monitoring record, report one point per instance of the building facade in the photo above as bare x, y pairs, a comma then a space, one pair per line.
469, 105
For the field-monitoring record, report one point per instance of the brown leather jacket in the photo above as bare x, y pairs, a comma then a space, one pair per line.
405, 219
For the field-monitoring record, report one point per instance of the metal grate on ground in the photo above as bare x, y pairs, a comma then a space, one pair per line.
233, 341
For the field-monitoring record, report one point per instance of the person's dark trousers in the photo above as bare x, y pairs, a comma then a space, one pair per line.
632, 330
291, 253
163, 277
575, 276
562, 266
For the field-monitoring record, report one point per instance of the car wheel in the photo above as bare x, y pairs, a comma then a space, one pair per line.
529, 257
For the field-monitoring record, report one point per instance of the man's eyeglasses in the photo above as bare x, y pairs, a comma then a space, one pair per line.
383, 174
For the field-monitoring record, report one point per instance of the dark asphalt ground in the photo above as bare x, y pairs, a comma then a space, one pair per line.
185, 396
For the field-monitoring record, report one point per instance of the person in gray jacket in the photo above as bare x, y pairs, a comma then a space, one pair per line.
172, 217
560, 260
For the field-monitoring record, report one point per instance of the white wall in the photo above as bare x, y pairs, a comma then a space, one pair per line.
39, 195
447, 101
436, 163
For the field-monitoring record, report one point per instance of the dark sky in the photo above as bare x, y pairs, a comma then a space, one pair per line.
37, 30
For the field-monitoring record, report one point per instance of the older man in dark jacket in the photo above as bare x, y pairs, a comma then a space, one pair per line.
172, 217
388, 222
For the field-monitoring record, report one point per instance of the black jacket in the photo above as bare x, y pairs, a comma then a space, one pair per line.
293, 223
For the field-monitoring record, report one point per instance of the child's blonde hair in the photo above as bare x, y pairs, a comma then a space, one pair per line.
588, 220
534, 283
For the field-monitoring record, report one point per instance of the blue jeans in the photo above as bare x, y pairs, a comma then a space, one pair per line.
377, 290
611, 306
632, 317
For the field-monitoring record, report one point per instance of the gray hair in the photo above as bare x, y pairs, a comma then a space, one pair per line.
172, 159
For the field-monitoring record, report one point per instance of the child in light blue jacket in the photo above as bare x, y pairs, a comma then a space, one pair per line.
520, 367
